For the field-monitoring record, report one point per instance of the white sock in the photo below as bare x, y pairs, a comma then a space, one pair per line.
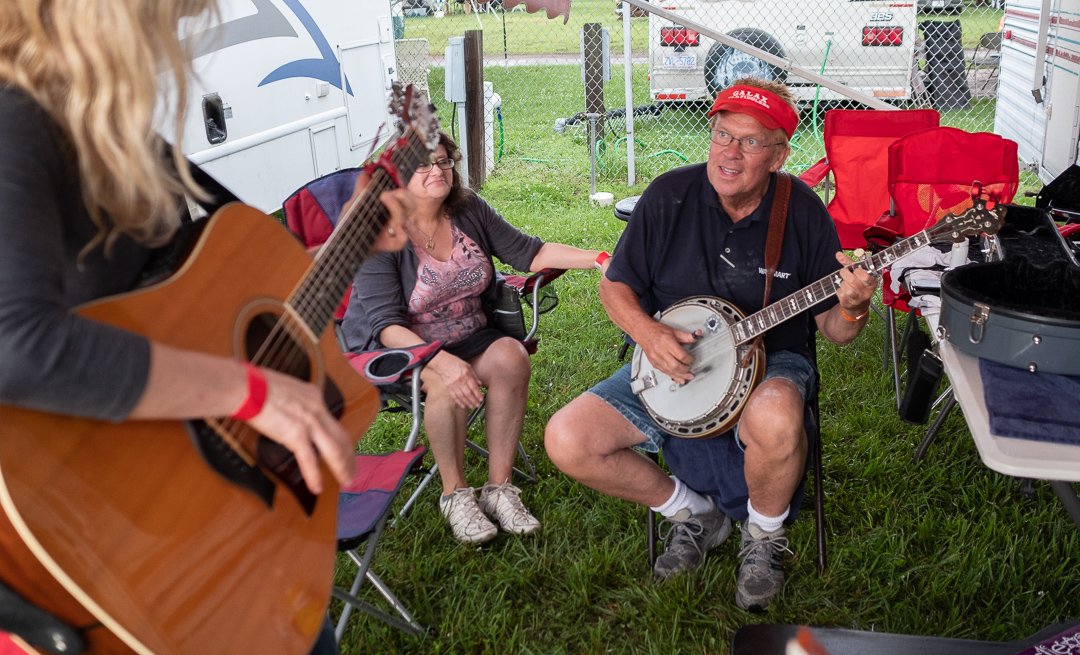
683, 498
766, 523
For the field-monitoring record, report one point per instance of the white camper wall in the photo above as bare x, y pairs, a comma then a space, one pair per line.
302, 86
1046, 132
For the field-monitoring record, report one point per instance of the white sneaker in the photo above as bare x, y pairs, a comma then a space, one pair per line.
503, 503
468, 523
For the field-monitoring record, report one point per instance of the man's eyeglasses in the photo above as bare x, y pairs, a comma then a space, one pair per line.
748, 144
445, 164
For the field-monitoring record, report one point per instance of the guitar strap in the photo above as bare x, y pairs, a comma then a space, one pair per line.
774, 243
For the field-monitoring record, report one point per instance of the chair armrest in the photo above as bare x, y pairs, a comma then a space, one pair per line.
387, 365
526, 283
816, 173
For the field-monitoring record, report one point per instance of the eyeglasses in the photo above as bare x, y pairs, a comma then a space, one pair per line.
748, 144
445, 164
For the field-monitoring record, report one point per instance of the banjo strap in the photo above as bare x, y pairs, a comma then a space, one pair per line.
774, 243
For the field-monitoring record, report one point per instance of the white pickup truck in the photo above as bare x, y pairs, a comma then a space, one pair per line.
868, 46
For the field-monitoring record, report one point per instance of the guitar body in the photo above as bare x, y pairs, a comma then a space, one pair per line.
127, 525
710, 403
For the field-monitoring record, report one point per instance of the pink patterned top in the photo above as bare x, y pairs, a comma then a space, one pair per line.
445, 303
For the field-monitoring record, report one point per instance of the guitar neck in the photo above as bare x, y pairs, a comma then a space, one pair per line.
319, 294
825, 288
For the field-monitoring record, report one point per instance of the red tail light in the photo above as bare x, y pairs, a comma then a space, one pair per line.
882, 36
678, 36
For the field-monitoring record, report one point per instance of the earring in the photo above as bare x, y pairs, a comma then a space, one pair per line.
390, 231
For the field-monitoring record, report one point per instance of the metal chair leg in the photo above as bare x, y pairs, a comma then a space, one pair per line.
950, 402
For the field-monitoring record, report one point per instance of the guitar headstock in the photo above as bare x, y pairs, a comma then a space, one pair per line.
983, 217
414, 114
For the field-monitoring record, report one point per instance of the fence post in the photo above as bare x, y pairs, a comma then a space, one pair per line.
628, 79
474, 107
593, 37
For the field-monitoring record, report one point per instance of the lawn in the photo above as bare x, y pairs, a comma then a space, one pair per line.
944, 546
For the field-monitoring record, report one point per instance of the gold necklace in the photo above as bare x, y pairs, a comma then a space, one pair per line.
431, 237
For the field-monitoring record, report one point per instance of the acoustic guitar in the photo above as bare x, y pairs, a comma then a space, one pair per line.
200, 536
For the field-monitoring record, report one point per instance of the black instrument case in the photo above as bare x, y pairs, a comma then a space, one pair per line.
1024, 309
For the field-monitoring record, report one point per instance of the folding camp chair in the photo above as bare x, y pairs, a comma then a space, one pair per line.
856, 155
934, 172
311, 213
363, 508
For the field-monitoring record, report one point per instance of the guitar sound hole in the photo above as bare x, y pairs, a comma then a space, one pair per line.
269, 339
271, 343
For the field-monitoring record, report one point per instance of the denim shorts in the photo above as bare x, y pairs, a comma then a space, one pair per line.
615, 391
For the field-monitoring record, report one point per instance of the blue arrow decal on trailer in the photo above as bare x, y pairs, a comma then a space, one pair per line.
327, 69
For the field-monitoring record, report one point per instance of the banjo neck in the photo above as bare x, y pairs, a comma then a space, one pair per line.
979, 218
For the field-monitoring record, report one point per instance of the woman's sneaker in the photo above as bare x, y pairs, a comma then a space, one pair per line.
468, 523
503, 503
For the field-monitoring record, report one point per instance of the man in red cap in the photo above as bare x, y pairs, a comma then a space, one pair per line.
701, 230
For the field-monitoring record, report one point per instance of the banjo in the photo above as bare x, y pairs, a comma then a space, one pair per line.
726, 367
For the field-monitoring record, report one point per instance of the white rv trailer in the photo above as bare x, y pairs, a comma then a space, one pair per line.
1039, 96
868, 45
289, 90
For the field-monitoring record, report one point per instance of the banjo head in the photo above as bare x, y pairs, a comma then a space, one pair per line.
710, 403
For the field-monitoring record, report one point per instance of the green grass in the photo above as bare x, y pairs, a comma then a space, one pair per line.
945, 546
527, 34
535, 34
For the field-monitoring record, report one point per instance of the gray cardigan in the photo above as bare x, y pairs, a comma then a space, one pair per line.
51, 359
385, 282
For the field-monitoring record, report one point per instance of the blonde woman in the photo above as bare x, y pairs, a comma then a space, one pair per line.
84, 194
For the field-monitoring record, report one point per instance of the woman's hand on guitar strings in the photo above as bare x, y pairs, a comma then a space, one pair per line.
295, 416
666, 349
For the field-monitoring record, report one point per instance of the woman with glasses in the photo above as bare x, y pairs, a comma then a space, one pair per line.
437, 288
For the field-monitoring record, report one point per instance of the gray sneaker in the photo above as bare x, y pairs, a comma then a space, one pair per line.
467, 522
688, 538
503, 503
761, 573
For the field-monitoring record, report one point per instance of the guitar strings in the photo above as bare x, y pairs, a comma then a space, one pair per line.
356, 235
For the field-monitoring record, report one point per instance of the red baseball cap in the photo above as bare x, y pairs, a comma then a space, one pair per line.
764, 106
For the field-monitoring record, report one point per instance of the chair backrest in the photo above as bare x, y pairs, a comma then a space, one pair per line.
933, 172
856, 148
312, 211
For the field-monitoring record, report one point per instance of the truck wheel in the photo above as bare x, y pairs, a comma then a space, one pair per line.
724, 65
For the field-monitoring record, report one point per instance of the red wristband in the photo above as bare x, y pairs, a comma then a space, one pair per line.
256, 394
601, 258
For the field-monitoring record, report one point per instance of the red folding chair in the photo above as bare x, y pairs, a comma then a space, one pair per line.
856, 154
932, 173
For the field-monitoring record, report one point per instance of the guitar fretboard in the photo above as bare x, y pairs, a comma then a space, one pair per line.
826, 287
320, 293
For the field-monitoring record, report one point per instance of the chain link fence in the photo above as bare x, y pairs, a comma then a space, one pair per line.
940, 54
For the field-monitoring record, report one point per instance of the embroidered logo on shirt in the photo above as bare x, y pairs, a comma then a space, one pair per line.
777, 274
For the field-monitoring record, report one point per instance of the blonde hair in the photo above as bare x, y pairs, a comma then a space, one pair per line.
94, 66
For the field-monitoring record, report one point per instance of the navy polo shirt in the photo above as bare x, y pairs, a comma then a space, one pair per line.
679, 242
